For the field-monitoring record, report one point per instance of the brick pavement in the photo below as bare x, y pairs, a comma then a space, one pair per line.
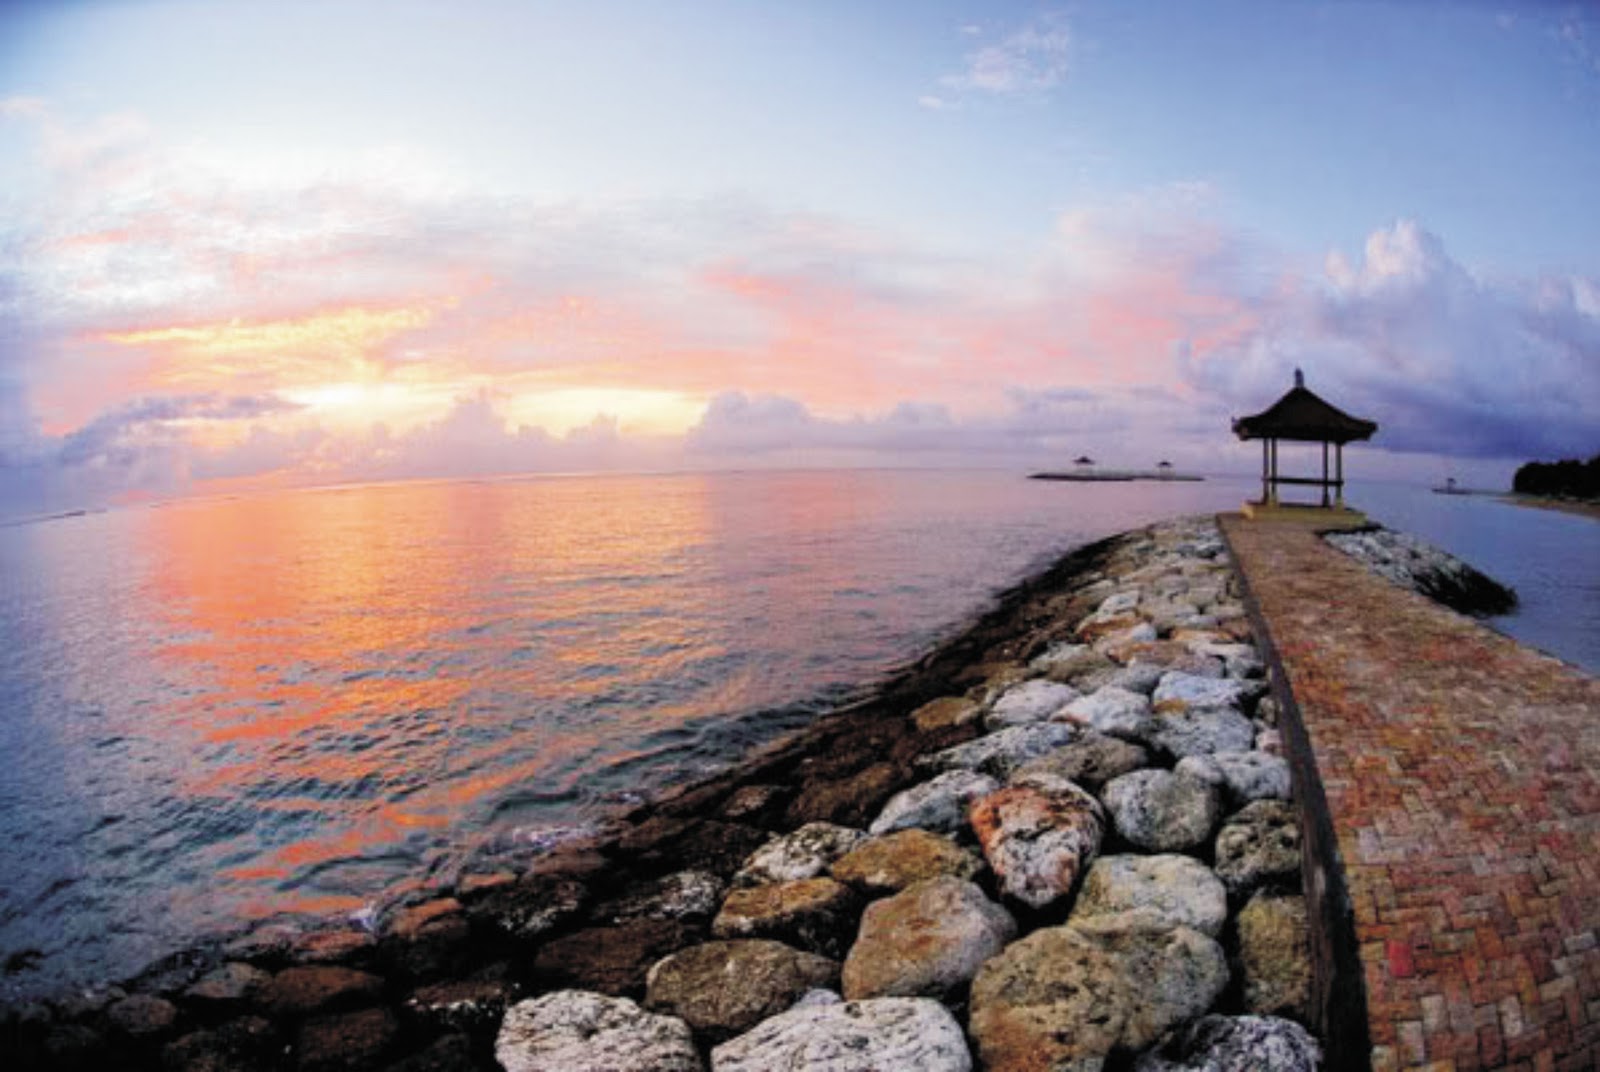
1462, 777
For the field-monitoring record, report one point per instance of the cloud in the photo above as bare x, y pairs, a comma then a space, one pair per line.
1030, 60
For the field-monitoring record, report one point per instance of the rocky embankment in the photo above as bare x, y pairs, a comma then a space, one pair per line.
1417, 565
1062, 840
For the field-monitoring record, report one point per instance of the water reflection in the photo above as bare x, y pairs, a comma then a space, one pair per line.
219, 711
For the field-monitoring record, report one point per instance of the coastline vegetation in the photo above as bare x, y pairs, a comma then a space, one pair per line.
1566, 479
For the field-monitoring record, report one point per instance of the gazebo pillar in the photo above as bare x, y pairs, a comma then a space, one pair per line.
1301, 417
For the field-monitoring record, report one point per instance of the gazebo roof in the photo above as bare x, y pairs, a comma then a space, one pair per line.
1302, 415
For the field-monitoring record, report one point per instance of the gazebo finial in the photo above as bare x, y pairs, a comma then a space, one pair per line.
1299, 378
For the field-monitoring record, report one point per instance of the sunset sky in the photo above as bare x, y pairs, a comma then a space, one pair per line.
258, 244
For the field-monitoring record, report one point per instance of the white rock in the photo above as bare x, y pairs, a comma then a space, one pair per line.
1111, 710
1038, 838
806, 853
1235, 1044
1116, 604
1192, 691
1031, 701
1202, 731
1244, 776
1160, 811
1000, 753
854, 1036
939, 804
577, 1031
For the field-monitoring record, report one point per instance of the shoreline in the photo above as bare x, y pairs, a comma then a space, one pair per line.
1564, 506
434, 983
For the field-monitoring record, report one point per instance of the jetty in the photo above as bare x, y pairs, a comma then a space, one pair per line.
1449, 785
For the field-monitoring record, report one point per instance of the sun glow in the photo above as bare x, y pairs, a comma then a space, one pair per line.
641, 411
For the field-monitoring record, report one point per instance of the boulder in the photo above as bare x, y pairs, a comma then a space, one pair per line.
1065, 662
926, 941
1259, 846
1115, 646
351, 1040
682, 895
1202, 731
722, 988
755, 803
816, 914
247, 1044
1097, 625
1111, 710
1274, 956
1243, 776
894, 861
1031, 701
612, 960
852, 1036
939, 805
1137, 677
946, 714
998, 754
447, 1053
1236, 1044
710, 845
142, 1016
850, 800
806, 853
1091, 761
227, 987
1067, 997
473, 1005
322, 988
581, 1032
1180, 691
1161, 811
1038, 840
530, 908
1166, 890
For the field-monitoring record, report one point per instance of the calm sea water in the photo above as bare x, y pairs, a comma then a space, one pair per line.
218, 712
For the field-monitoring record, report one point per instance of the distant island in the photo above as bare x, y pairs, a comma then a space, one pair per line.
1570, 485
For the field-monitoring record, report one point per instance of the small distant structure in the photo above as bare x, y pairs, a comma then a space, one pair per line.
1301, 416
1083, 459
1164, 469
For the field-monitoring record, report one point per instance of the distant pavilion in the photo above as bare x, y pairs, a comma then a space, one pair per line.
1301, 416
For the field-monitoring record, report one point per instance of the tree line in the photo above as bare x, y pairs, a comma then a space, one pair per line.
1569, 478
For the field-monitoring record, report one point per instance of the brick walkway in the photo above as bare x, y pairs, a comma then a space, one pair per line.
1462, 776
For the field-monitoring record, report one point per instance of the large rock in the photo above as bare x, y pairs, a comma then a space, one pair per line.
806, 853
1179, 691
939, 805
925, 941
1065, 662
1259, 846
1038, 840
1202, 731
612, 960
682, 895
576, 1031
722, 988
1236, 1044
307, 991
894, 861
1066, 997
816, 914
946, 714
1274, 956
1091, 761
530, 908
1111, 710
1244, 776
351, 1040
1160, 811
461, 1004
247, 1044
1031, 701
998, 754
855, 1036
850, 800
227, 987
1165, 890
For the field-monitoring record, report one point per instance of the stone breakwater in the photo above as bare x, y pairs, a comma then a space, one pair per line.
1062, 840
1415, 564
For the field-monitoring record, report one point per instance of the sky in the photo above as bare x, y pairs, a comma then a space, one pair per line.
254, 245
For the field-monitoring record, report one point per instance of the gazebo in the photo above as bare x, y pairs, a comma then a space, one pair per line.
1301, 416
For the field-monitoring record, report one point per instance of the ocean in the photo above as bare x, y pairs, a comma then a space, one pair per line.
216, 712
